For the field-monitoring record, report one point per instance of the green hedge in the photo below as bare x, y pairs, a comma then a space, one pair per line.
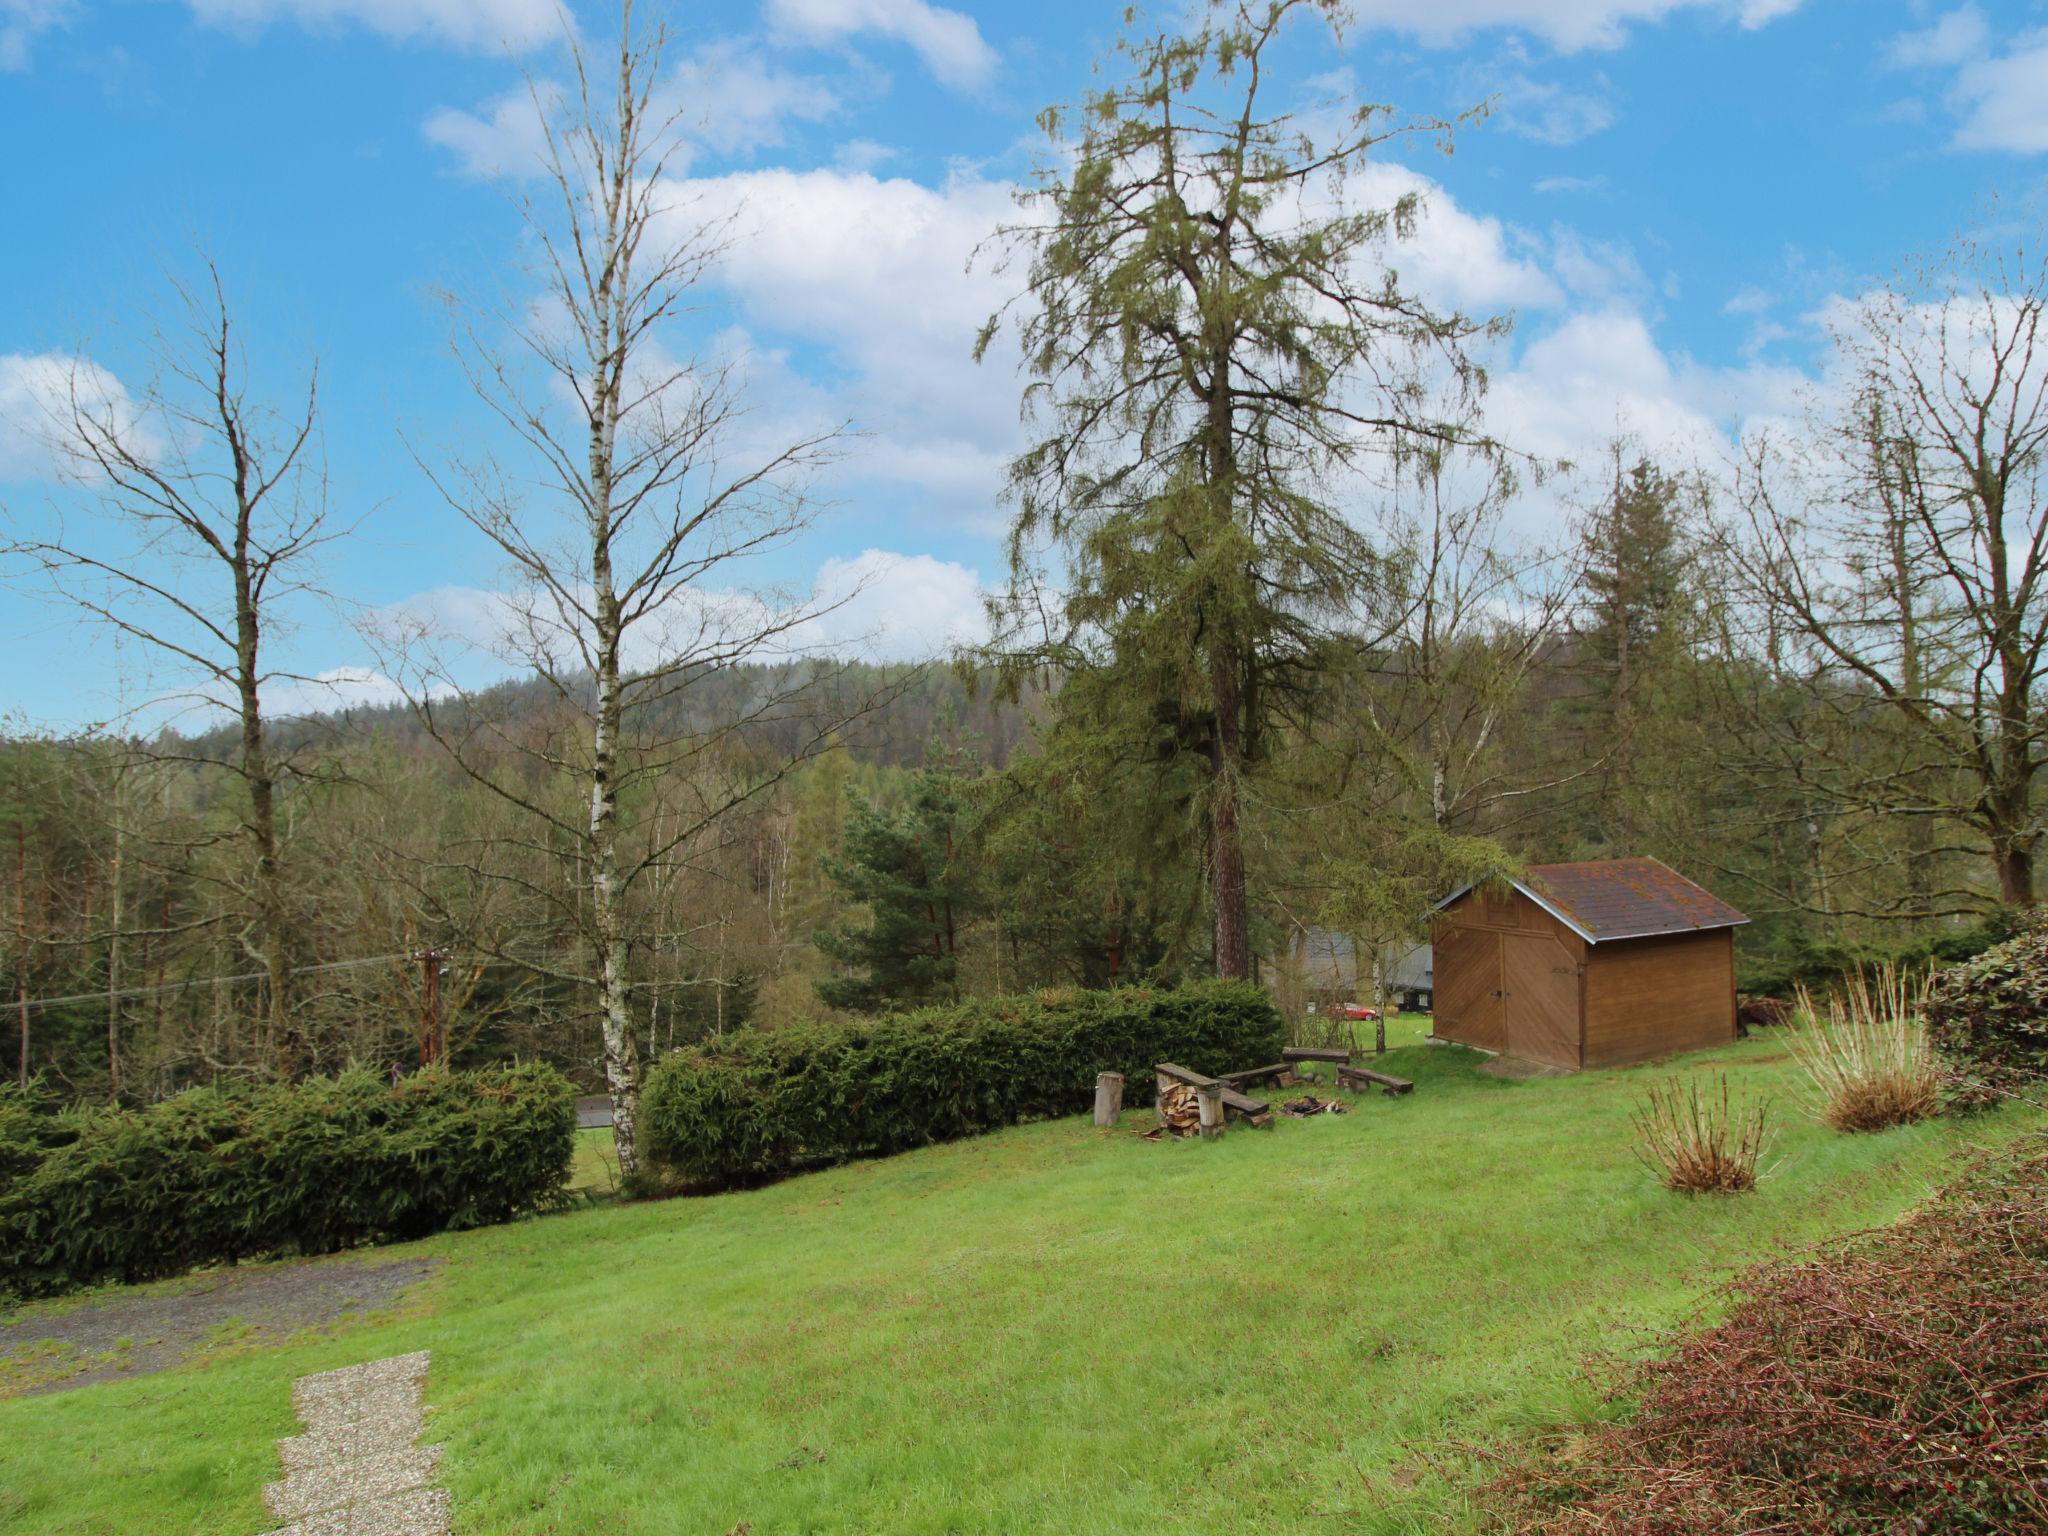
758, 1103
1991, 1013
1818, 964
309, 1167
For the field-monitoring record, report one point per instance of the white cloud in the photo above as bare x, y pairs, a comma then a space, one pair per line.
36, 394
895, 607
879, 605
735, 101
949, 43
337, 688
1550, 113
1960, 35
1999, 98
1569, 25
502, 138
725, 97
2003, 101
875, 273
23, 21
863, 155
479, 25
1472, 261
1599, 272
1600, 372
1554, 184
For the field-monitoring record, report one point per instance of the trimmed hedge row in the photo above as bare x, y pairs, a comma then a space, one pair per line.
758, 1103
302, 1168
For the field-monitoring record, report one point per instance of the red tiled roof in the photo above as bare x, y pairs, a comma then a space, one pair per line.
1627, 899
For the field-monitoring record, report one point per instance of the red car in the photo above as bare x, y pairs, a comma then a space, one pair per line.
1356, 1011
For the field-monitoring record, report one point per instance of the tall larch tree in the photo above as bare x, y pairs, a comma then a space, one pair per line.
1214, 338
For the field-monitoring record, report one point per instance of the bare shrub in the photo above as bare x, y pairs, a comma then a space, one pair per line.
1889, 1383
1696, 1144
1865, 1051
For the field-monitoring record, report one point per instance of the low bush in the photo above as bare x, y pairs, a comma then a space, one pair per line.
1866, 1054
311, 1167
1989, 1016
1892, 1384
758, 1103
1696, 1144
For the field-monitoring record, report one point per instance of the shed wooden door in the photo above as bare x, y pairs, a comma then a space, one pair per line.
1468, 987
1542, 985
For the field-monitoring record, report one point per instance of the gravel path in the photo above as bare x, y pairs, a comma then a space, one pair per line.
359, 1470
117, 1337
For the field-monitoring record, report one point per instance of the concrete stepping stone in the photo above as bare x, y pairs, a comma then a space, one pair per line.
359, 1470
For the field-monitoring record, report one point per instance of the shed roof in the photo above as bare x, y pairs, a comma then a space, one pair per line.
1604, 899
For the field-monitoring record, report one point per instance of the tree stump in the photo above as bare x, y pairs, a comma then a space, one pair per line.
1109, 1097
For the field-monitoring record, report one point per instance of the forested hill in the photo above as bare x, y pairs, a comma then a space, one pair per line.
884, 716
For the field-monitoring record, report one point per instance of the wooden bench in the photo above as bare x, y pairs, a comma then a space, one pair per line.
1313, 1053
1250, 1110
1358, 1079
1281, 1074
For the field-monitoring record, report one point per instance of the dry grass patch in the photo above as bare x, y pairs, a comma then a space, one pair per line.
1865, 1052
1696, 1143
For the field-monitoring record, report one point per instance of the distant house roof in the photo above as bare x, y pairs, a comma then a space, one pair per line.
1330, 958
1603, 899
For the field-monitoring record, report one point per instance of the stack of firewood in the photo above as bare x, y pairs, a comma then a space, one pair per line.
1181, 1108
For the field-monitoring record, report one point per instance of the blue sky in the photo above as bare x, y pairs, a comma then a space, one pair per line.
1666, 196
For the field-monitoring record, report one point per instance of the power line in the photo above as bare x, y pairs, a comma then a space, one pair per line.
201, 981
36, 1004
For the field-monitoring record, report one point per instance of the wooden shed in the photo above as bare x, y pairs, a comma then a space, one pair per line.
1587, 965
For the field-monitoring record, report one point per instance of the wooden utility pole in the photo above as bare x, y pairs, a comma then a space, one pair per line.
116, 915
21, 938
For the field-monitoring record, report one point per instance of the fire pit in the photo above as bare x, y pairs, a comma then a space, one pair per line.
1308, 1104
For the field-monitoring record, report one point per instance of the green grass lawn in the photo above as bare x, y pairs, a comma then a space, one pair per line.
1047, 1329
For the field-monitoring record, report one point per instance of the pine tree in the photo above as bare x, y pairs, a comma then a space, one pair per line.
1633, 629
907, 870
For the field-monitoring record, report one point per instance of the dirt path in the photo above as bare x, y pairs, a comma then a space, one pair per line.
56, 1350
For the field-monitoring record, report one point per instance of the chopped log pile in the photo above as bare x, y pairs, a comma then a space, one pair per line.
1180, 1109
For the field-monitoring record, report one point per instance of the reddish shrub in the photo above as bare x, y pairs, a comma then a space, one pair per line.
1897, 1383
1761, 1012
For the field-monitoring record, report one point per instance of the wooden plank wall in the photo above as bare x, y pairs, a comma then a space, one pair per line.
1651, 997
1469, 964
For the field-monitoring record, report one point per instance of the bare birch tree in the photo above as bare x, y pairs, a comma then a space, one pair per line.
648, 496
212, 507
